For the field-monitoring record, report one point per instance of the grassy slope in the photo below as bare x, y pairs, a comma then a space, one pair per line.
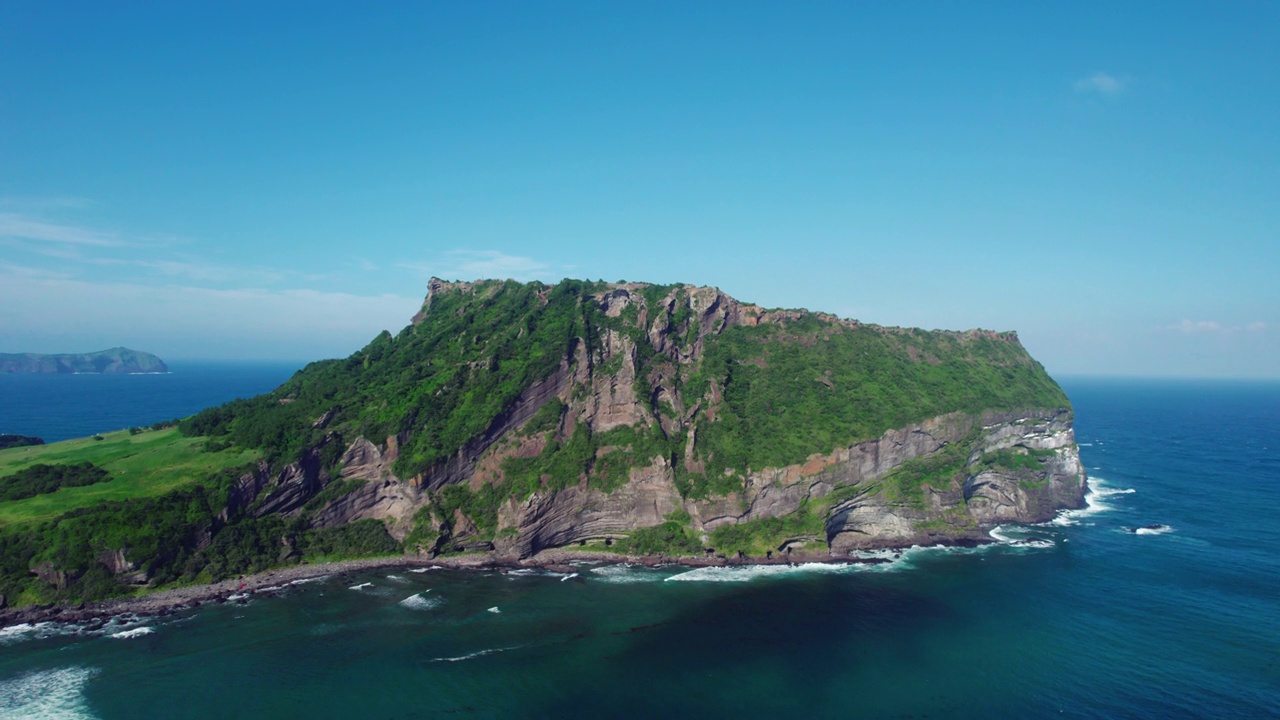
148, 464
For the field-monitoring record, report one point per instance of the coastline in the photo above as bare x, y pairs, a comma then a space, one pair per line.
171, 600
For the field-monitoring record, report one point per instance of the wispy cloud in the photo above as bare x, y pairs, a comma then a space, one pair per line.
1102, 84
483, 264
22, 271
36, 204
1194, 327
43, 309
18, 226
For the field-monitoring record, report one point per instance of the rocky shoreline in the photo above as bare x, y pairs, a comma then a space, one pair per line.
171, 600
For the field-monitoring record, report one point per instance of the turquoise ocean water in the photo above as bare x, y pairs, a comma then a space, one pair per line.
1080, 619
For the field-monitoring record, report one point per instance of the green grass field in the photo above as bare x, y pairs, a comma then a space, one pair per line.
149, 463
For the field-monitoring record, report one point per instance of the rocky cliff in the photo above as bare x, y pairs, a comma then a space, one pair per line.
671, 419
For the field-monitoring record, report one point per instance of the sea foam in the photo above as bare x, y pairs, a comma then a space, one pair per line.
55, 693
624, 574
1096, 501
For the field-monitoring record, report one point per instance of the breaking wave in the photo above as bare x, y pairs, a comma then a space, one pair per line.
478, 653
747, 573
419, 602
34, 631
132, 633
624, 574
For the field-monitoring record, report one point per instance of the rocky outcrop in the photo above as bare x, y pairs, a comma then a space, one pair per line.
381, 496
577, 514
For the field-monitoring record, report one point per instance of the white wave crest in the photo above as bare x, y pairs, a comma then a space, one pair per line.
316, 579
747, 573
132, 633
1001, 534
34, 631
47, 694
478, 653
523, 572
1153, 530
419, 602
361, 586
396, 578
569, 576
1095, 500
494, 609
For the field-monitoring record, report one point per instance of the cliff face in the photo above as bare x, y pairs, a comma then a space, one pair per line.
116, 361
732, 428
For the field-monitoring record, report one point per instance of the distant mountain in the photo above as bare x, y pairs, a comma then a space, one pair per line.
116, 361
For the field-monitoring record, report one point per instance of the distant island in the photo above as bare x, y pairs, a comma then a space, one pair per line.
116, 361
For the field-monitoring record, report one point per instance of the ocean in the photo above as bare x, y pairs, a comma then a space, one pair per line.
61, 407
1161, 599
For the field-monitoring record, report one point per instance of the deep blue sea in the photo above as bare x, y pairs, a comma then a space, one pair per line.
60, 407
1090, 621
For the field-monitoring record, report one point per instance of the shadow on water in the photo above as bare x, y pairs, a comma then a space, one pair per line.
767, 648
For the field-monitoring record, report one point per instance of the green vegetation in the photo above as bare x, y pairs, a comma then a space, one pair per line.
12, 441
41, 479
807, 386
163, 536
909, 482
143, 465
446, 379
758, 537
672, 537
424, 533
1019, 458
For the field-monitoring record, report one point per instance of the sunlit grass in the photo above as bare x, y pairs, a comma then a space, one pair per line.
149, 463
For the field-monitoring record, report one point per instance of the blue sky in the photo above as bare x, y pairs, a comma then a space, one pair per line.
279, 181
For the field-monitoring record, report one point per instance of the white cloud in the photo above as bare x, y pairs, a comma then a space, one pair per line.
1256, 326
483, 265
1197, 326
1103, 84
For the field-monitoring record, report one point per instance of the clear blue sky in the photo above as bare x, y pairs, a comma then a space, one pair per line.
279, 181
